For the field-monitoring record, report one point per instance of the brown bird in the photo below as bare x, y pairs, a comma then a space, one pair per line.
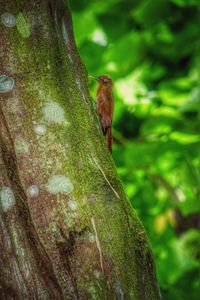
105, 106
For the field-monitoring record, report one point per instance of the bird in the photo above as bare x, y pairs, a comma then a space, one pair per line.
105, 106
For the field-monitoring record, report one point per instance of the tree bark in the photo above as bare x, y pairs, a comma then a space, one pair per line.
67, 228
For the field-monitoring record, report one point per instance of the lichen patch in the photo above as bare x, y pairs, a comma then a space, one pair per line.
32, 191
91, 237
40, 129
6, 84
59, 184
119, 291
7, 198
73, 205
53, 113
8, 20
21, 146
97, 274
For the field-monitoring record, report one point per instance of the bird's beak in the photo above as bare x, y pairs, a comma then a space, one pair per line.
95, 78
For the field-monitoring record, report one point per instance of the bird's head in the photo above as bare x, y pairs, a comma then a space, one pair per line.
104, 80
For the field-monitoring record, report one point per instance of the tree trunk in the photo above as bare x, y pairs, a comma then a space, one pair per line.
67, 228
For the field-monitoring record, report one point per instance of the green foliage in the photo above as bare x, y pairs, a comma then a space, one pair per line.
152, 51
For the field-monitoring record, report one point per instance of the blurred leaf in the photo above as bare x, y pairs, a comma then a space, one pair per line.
127, 53
185, 2
151, 12
84, 25
79, 4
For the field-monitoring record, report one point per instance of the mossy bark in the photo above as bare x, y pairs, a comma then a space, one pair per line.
67, 228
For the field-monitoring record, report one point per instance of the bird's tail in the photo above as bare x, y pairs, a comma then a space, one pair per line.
109, 138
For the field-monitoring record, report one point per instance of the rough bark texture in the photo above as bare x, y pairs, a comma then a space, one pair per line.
67, 229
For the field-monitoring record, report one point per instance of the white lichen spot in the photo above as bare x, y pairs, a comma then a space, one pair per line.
21, 146
59, 184
7, 199
73, 205
8, 20
32, 191
6, 84
97, 274
91, 237
40, 129
53, 113
119, 291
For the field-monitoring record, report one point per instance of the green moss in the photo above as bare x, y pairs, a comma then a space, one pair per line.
93, 293
23, 26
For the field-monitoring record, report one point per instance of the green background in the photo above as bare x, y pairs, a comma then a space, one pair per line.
152, 51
